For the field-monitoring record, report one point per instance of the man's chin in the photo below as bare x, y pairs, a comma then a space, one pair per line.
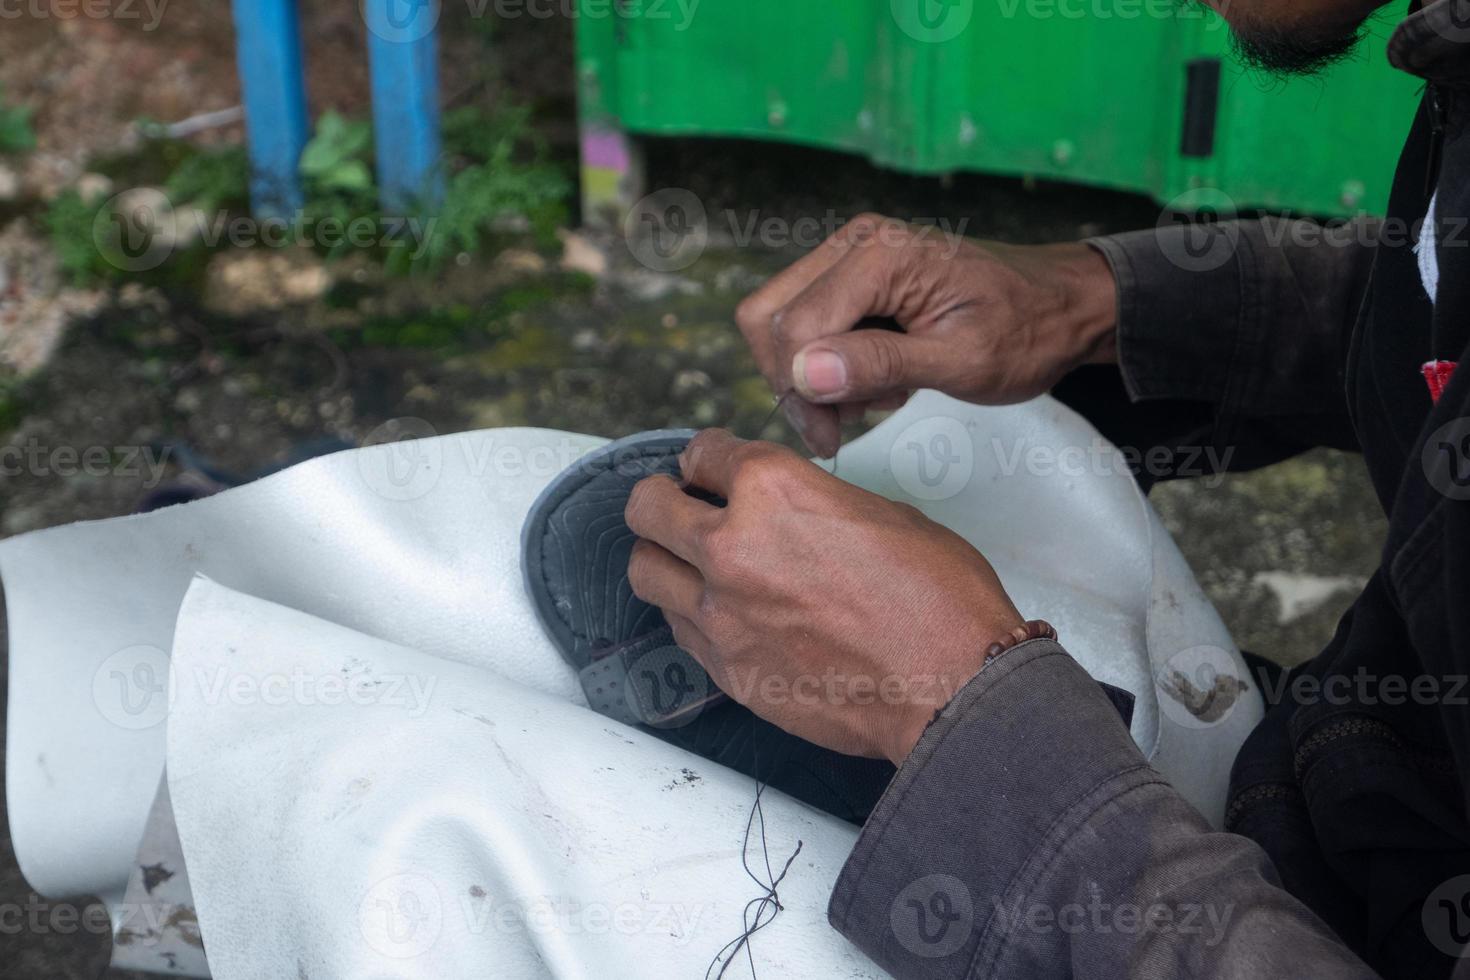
1293, 51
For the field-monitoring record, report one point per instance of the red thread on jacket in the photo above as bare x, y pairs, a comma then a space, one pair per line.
1437, 375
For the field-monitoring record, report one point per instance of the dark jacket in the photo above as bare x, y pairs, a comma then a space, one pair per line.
1027, 837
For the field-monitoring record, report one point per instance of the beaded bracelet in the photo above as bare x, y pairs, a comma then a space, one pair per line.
1032, 629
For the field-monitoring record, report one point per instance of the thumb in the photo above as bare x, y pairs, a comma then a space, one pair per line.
864, 365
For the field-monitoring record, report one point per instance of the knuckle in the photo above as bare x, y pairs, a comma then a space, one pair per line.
636, 505
683, 634
643, 505
780, 326
639, 567
704, 537
703, 442
727, 554
751, 315
764, 469
863, 225
885, 357
871, 228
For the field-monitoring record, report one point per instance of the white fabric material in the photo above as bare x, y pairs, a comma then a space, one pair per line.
299, 818
1426, 252
487, 829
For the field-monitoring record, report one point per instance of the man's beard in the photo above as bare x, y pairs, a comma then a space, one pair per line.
1292, 52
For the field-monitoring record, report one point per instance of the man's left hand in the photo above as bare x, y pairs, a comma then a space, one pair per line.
840, 616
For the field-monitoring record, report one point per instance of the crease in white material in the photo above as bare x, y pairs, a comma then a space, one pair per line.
504, 831
416, 548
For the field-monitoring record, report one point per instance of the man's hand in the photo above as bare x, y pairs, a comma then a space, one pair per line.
838, 615
986, 322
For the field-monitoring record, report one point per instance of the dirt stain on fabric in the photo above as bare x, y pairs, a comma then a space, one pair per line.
1208, 704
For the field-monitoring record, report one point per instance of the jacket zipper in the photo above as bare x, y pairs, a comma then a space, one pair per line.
1436, 137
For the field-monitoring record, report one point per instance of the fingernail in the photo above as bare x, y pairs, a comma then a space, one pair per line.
819, 373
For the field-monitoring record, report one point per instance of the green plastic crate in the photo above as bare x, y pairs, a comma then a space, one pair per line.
1092, 91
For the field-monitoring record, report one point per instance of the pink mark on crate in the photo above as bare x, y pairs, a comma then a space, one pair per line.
608, 150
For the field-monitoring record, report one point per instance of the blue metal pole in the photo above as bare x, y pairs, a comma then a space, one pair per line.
273, 81
403, 49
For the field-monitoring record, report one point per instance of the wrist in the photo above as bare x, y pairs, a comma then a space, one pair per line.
913, 720
1088, 311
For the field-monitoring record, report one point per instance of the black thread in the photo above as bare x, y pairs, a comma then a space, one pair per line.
761, 911
754, 917
776, 410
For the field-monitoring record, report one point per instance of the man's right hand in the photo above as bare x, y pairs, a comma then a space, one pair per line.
982, 321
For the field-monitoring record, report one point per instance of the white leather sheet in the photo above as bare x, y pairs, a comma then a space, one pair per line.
311, 814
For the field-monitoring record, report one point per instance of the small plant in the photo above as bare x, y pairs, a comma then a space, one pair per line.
495, 171
502, 174
335, 162
16, 134
211, 181
71, 223
496, 177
